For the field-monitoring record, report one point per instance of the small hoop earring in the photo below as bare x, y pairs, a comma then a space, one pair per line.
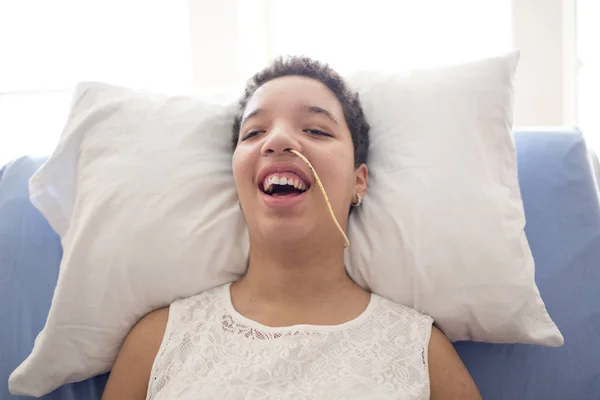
358, 201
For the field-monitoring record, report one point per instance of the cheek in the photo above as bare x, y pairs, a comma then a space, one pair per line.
336, 170
241, 168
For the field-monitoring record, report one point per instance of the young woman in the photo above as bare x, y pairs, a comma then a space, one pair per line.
295, 326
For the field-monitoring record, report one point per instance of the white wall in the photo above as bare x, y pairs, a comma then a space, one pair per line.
215, 44
542, 29
545, 84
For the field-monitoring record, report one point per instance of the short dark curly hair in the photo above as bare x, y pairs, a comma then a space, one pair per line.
307, 67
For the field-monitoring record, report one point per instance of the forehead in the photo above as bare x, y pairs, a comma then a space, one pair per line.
292, 91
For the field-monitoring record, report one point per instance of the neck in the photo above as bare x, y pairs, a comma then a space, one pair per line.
299, 275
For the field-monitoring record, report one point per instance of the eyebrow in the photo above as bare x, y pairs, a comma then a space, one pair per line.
319, 110
251, 115
306, 108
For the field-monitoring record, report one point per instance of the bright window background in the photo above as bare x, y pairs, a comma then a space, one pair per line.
588, 48
381, 34
173, 45
392, 35
46, 47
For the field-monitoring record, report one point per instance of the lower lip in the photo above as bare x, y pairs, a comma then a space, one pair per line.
283, 202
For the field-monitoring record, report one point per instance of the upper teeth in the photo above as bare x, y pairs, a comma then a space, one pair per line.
276, 180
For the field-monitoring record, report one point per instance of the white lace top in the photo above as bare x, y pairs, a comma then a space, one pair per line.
210, 351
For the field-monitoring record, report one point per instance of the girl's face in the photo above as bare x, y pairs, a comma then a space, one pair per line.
278, 193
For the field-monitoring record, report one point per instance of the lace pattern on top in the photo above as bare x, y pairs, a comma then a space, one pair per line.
210, 350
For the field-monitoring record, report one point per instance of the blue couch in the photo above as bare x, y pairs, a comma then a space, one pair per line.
560, 195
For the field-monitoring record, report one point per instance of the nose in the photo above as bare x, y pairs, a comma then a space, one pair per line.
280, 139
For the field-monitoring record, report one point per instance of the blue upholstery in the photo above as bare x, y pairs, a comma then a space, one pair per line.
563, 228
30, 253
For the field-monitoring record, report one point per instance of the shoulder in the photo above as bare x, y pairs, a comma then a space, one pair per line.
449, 378
131, 371
403, 325
184, 309
154, 322
144, 339
401, 312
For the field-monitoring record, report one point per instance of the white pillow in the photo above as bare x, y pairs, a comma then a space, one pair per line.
442, 226
141, 191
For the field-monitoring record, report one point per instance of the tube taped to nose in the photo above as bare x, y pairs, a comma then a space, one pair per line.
312, 169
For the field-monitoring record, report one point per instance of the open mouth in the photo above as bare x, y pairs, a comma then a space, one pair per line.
281, 186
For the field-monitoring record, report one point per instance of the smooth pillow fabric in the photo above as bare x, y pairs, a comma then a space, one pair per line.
140, 190
147, 211
442, 229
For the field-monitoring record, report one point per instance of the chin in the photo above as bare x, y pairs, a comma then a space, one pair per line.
286, 231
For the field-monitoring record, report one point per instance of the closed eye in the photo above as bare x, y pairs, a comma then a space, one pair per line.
252, 134
317, 132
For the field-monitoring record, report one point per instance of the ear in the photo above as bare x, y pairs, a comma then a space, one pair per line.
361, 181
